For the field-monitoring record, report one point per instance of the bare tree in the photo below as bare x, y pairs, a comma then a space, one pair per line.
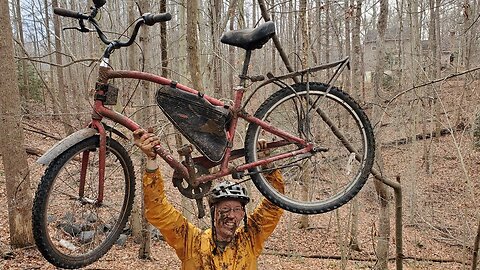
17, 174
50, 68
145, 97
61, 87
163, 40
23, 64
356, 80
216, 18
231, 50
383, 194
303, 221
192, 44
357, 77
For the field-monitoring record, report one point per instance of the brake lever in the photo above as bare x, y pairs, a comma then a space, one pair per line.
83, 30
82, 27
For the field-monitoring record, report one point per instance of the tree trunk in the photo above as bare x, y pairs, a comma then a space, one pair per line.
145, 244
433, 74
61, 89
131, 52
192, 44
216, 60
401, 44
24, 92
413, 79
19, 198
357, 75
163, 42
356, 80
467, 40
328, 24
231, 49
305, 178
50, 59
136, 216
183, 67
383, 194
348, 17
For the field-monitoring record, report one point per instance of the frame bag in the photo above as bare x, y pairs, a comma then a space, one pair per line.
203, 124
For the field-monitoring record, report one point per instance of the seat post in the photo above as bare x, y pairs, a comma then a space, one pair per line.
246, 62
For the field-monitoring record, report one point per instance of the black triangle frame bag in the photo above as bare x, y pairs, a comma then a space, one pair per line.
203, 124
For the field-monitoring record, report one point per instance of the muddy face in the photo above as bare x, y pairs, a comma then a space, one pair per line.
228, 215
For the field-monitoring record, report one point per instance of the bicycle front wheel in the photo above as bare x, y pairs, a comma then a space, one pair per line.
336, 170
71, 228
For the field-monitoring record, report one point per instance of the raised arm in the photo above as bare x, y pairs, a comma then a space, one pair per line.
262, 222
175, 228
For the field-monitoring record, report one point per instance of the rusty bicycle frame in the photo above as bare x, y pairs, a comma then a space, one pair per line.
105, 73
100, 111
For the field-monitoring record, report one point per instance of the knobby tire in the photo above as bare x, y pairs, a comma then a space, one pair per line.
72, 232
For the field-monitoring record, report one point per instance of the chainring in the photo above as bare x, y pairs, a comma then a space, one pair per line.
190, 191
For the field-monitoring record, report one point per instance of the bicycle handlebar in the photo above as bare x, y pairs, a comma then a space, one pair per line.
151, 19
70, 13
147, 18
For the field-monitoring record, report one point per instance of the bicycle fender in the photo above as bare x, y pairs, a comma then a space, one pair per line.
66, 143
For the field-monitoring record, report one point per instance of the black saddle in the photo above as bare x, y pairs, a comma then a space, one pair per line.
250, 39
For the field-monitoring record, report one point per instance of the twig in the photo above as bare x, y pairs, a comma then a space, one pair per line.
432, 82
74, 61
34, 151
91, 60
42, 132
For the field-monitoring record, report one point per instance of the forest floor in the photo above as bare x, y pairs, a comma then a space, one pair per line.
439, 216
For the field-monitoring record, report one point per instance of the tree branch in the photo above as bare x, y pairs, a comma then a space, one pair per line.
91, 60
37, 59
432, 82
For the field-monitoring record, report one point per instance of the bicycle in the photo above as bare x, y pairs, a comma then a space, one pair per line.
318, 136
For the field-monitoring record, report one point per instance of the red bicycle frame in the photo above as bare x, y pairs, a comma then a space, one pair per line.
100, 111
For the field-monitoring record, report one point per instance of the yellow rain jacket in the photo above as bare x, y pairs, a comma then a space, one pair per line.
195, 247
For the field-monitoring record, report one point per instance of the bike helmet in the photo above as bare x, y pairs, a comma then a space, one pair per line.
227, 190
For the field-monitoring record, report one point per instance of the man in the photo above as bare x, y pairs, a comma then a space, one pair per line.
227, 245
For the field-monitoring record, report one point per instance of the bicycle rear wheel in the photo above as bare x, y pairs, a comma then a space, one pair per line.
72, 230
325, 180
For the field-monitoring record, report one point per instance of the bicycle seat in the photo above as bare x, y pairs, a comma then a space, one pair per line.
250, 39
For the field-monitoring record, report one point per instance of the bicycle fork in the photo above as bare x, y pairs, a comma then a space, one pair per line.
102, 153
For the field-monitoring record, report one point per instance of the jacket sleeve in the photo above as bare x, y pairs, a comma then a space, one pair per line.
266, 216
175, 228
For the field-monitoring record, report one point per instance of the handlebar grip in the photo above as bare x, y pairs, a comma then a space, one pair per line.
69, 13
257, 78
151, 19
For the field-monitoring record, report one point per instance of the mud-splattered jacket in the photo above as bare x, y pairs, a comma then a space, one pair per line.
195, 247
